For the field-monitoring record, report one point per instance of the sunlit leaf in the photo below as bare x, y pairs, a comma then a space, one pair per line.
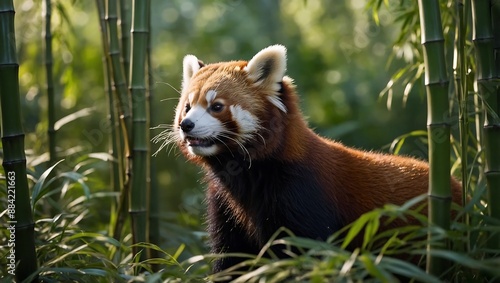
72, 117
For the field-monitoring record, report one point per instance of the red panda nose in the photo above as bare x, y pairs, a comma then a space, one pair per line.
187, 125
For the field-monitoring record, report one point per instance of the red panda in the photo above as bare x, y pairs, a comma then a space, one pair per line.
265, 167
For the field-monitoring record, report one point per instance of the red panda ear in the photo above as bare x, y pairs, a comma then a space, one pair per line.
268, 67
190, 65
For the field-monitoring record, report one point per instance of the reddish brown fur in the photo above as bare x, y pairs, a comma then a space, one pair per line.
351, 182
359, 181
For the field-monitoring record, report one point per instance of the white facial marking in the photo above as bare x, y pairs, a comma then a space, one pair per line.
205, 126
247, 122
204, 151
210, 96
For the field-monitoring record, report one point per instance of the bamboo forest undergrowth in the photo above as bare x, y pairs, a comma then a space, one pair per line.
86, 86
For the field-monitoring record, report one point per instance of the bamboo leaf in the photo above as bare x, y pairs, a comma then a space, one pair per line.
370, 230
73, 116
78, 178
375, 270
409, 270
356, 228
39, 185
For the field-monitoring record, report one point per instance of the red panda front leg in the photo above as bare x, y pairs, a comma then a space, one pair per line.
226, 235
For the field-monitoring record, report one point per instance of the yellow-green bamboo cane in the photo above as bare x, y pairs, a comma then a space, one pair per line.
140, 144
20, 252
119, 80
115, 145
436, 82
487, 86
123, 104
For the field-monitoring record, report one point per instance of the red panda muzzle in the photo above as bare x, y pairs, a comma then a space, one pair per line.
187, 125
199, 142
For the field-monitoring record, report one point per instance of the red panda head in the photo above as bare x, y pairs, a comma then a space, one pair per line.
232, 107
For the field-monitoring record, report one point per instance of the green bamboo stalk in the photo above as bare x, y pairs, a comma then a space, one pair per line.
20, 223
140, 144
115, 144
123, 103
47, 11
125, 34
460, 82
461, 91
436, 82
482, 36
119, 79
153, 198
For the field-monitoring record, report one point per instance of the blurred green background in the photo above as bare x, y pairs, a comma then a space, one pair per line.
338, 56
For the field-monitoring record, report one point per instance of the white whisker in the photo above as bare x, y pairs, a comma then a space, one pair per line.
245, 150
176, 90
167, 137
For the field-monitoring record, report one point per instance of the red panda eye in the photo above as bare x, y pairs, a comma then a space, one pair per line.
217, 107
188, 107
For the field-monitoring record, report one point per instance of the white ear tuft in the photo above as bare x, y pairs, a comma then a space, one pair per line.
190, 65
268, 67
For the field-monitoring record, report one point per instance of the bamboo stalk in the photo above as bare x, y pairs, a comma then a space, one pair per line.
140, 144
123, 104
436, 82
125, 34
461, 91
153, 198
115, 144
482, 36
119, 80
47, 11
461, 87
20, 223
